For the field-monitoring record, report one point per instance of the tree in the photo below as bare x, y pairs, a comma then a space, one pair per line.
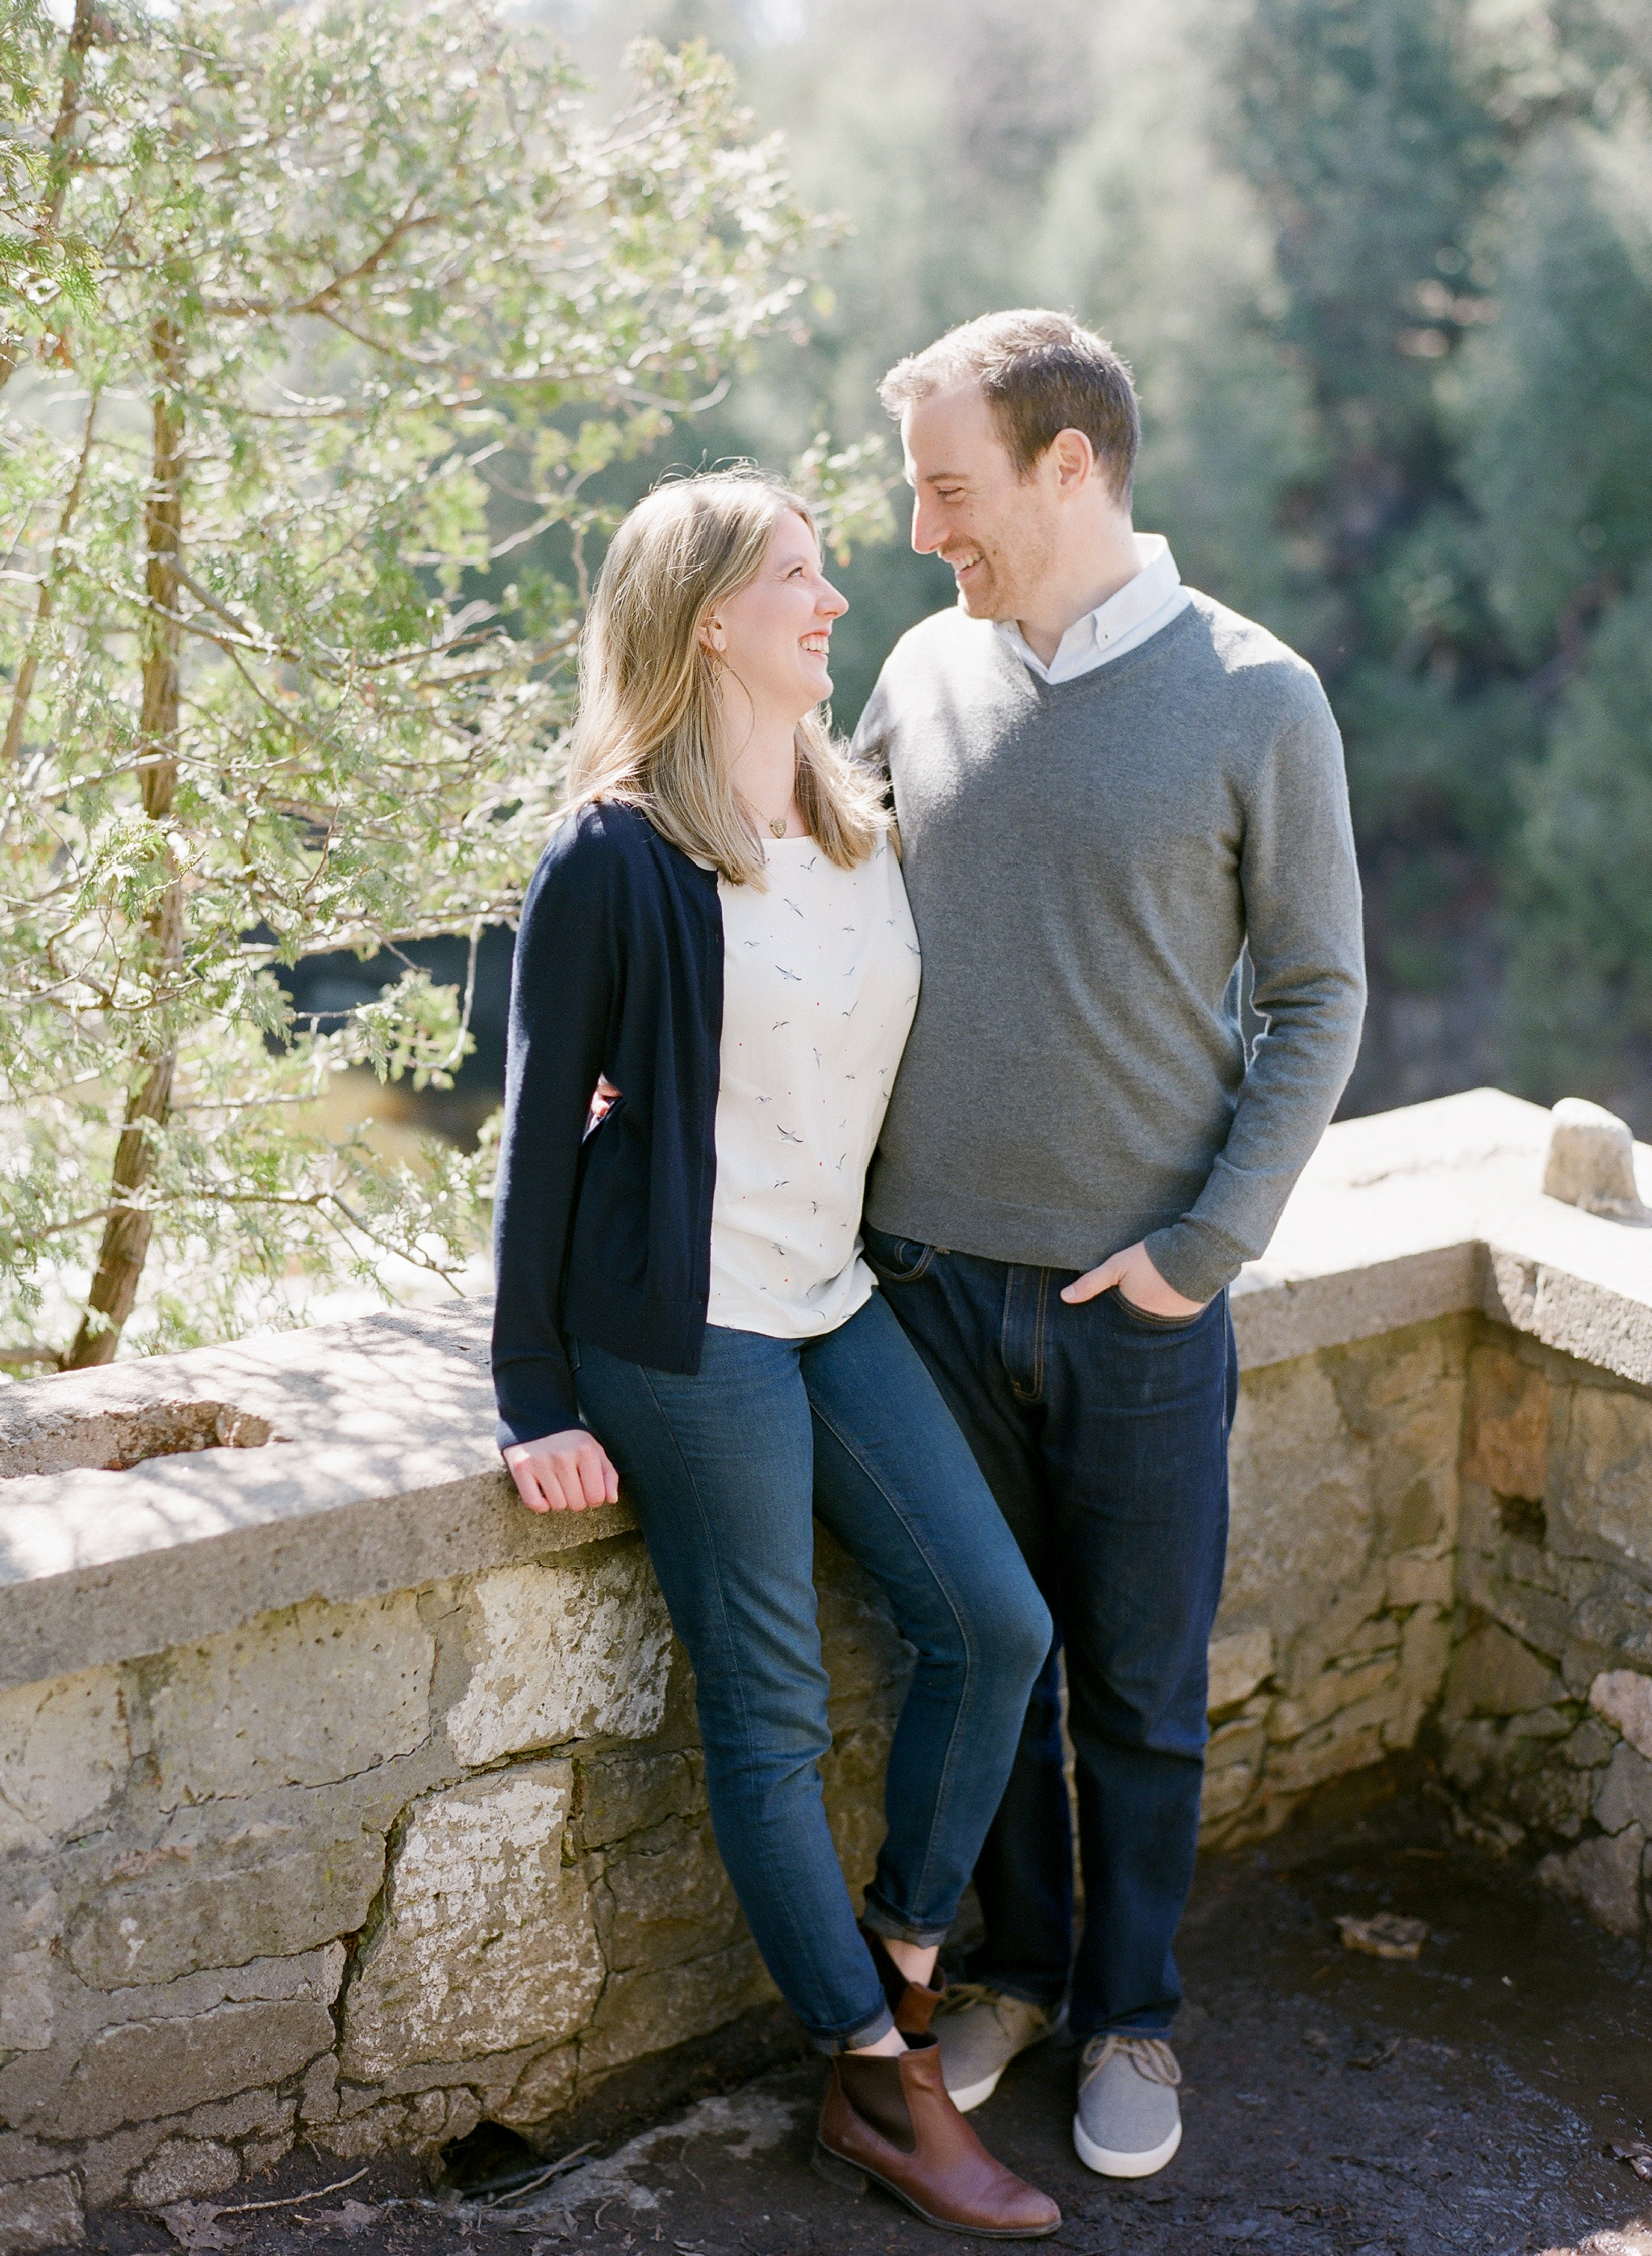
299, 283
1555, 406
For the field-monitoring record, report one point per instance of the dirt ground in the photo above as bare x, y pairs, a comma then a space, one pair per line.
1336, 2104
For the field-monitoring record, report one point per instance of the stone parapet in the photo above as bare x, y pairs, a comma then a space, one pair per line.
340, 1798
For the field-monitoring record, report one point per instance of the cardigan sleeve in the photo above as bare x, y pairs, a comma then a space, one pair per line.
564, 982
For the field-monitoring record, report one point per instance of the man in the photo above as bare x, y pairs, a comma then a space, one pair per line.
1109, 786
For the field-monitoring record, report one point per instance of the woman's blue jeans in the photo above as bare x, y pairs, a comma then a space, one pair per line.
727, 1470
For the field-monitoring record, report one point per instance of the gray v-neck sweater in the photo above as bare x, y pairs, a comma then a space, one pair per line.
1086, 861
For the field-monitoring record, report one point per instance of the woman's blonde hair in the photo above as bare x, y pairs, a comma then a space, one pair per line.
648, 727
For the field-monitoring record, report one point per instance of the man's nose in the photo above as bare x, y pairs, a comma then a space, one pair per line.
928, 528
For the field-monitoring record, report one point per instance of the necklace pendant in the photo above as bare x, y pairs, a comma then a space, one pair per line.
777, 824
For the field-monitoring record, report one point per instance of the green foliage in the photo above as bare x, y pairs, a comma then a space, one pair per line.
1555, 399
1148, 233
366, 279
1582, 991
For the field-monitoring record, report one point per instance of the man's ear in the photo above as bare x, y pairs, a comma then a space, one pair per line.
1073, 458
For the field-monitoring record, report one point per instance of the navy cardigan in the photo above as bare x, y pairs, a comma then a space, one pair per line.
618, 971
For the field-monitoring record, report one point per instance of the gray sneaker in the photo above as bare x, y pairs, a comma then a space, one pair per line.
1128, 2122
981, 2030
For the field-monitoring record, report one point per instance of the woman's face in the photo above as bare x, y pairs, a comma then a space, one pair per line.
774, 635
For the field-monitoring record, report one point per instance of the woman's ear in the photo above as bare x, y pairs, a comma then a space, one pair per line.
711, 637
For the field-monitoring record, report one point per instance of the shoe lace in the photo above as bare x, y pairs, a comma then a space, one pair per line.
960, 1996
1151, 2057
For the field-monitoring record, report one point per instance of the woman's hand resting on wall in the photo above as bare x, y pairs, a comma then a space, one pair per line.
563, 1473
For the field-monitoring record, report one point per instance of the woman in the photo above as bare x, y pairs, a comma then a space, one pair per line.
715, 977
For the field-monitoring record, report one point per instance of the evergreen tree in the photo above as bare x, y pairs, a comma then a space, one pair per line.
341, 265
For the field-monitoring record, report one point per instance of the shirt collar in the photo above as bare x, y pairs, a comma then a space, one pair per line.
1154, 584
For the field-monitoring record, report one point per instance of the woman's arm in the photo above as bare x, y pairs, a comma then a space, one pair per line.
564, 982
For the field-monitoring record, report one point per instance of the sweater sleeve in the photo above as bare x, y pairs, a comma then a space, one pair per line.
1304, 931
564, 981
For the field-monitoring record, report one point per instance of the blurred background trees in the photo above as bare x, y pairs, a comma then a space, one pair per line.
1383, 269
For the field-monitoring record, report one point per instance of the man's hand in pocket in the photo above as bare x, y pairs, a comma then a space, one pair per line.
1139, 1282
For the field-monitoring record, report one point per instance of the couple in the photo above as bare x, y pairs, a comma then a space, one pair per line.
1006, 1385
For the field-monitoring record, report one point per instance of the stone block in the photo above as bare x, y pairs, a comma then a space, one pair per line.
319, 2097
107, 2164
1239, 1663
136, 2071
23, 2158
1590, 1161
621, 1794
1224, 1791
1538, 1723
1330, 1694
1609, 1628
1332, 1751
1624, 1697
1589, 1747
1492, 1674
305, 1696
1623, 1793
265, 1892
852, 1780
653, 2007
542, 2090
64, 1749
1506, 1427
575, 1650
1603, 1875
1606, 1485
185, 2169
44, 2214
27, 2006
249, 2115
1421, 1579
487, 1942
865, 1656
1551, 1799
1241, 1741
1302, 1518
354, 2137
666, 1897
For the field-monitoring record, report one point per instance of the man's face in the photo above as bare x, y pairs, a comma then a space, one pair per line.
996, 531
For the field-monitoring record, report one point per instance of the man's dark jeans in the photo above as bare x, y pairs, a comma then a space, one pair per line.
1103, 1435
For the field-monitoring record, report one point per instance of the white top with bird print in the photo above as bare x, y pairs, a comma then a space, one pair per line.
820, 985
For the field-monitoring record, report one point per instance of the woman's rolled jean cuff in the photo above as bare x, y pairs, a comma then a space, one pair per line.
893, 1928
827, 2041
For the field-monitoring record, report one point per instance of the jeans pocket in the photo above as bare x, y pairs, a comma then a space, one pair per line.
1145, 1316
895, 1260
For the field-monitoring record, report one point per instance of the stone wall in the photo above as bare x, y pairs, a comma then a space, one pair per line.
321, 1874
340, 1798
1336, 1619
1445, 1534
1546, 1722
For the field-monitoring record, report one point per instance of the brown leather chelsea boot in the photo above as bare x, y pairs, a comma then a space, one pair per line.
889, 2119
912, 2003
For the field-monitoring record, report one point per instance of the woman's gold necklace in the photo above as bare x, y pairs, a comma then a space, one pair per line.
777, 824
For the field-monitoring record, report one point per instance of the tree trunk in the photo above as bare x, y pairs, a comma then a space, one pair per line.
127, 1233
23, 690
14, 342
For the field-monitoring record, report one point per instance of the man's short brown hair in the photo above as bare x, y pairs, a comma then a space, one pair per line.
1042, 373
